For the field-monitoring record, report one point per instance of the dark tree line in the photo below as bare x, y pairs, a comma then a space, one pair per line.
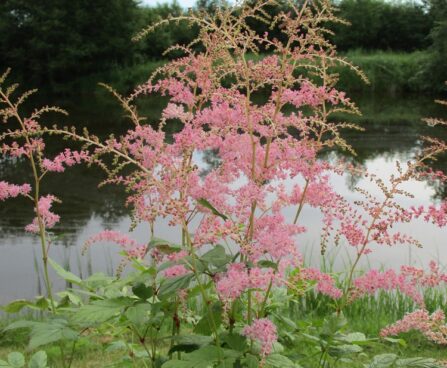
51, 42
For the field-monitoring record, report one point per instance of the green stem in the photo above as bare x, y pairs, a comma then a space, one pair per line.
202, 289
36, 202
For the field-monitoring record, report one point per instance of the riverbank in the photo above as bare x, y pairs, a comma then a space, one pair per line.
390, 73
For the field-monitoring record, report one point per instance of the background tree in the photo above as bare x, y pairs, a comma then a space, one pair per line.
54, 41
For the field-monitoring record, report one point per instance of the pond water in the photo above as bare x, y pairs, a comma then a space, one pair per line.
393, 129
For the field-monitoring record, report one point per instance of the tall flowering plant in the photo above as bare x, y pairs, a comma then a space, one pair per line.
267, 119
23, 140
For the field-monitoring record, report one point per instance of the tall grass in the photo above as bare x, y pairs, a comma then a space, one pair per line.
388, 72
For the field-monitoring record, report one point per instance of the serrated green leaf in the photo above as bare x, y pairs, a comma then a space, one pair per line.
100, 311
174, 284
142, 291
235, 341
45, 333
21, 324
66, 275
279, 361
138, 314
204, 203
16, 359
383, 361
354, 337
164, 246
38, 360
17, 305
417, 363
250, 361
216, 256
345, 349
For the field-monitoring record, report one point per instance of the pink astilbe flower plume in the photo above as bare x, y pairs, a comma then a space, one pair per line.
432, 326
49, 219
129, 246
264, 331
12, 190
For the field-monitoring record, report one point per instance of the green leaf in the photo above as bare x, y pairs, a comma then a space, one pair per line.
267, 264
73, 298
164, 246
138, 314
16, 359
100, 311
142, 291
204, 203
21, 324
279, 361
203, 327
66, 275
401, 342
235, 341
216, 256
355, 337
417, 363
208, 354
250, 361
38, 360
17, 305
198, 340
173, 284
98, 280
45, 333
383, 361
333, 324
42, 303
341, 350
4, 364
189, 343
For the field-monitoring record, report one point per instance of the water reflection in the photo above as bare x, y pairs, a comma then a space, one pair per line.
393, 129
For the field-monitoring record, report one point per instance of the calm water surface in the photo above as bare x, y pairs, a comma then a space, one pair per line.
392, 133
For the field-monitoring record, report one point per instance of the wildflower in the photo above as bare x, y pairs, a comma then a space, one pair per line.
264, 331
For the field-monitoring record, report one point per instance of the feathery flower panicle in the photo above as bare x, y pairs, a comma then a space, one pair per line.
8, 190
432, 326
264, 331
49, 219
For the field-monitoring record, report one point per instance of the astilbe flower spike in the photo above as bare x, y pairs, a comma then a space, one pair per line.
23, 139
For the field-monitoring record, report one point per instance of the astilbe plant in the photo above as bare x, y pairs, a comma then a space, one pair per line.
23, 139
268, 161
236, 246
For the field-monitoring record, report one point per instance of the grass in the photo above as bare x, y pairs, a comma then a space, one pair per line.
388, 72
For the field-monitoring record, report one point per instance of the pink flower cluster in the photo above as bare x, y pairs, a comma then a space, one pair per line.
130, 246
264, 331
433, 326
49, 219
67, 158
435, 214
325, 283
409, 281
238, 279
12, 190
